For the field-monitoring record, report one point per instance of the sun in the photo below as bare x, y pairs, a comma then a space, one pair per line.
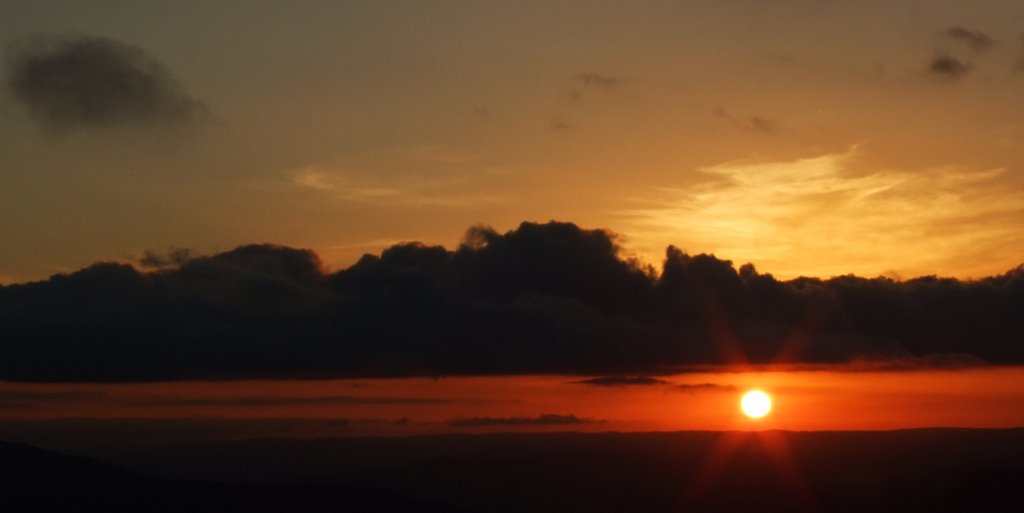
756, 404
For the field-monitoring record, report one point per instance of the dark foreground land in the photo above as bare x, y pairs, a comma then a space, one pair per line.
912, 470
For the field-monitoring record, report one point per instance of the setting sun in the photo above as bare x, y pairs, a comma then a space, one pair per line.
756, 404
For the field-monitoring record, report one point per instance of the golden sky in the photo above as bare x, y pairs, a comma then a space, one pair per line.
810, 138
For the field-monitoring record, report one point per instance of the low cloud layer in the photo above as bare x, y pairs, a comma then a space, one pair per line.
252, 401
622, 381
694, 388
543, 298
547, 419
18, 399
647, 381
71, 83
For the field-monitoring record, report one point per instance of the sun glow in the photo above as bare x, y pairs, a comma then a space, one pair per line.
756, 404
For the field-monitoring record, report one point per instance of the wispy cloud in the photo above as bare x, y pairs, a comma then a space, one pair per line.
975, 39
313, 178
31, 398
591, 81
622, 381
352, 187
694, 388
790, 216
274, 400
599, 80
752, 123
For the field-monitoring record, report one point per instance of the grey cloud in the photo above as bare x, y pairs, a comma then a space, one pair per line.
946, 66
598, 80
975, 39
77, 82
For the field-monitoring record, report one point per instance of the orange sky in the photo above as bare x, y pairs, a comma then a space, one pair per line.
810, 138
804, 400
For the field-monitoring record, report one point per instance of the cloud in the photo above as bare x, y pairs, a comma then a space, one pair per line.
592, 81
596, 80
542, 298
78, 82
271, 400
547, 419
622, 381
786, 214
756, 124
694, 388
946, 66
974, 39
313, 178
170, 257
30, 399
763, 125
559, 125
418, 192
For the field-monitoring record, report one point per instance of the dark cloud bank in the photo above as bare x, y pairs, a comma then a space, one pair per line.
70, 83
544, 298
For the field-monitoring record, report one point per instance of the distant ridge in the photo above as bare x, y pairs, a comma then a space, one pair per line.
39, 481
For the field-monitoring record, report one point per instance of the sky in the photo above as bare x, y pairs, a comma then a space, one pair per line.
809, 138
253, 218
811, 399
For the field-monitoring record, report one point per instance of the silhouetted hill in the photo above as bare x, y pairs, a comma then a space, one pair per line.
914, 470
38, 481
935, 470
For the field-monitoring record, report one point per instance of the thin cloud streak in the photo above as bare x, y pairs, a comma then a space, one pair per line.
975, 39
436, 193
273, 400
546, 419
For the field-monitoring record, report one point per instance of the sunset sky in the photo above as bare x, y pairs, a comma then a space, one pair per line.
810, 400
810, 138
256, 218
